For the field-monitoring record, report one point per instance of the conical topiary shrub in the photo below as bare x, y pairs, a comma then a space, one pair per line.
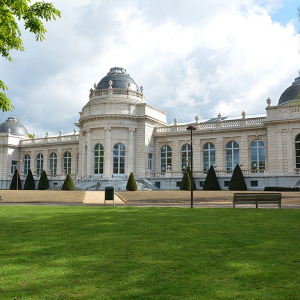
211, 181
186, 182
43, 182
237, 181
13, 184
29, 182
190, 173
68, 184
131, 183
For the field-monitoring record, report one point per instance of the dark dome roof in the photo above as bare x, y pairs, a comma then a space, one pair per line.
291, 93
15, 127
119, 79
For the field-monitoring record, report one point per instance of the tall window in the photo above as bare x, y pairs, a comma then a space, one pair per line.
209, 155
53, 163
232, 155
67, 162
297, 149
258, 159
165, 158
119, 159
185, 154
26, 164
14, 166
150, 161
98, 159
39, 163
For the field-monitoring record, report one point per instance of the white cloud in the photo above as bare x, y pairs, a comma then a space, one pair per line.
192, 57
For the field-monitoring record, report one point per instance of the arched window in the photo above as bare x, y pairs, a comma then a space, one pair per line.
185, 154
209, 155
98, 159
26, 164
165, 158
258, 159
297, 149
119, 159
232, 155
53, 163
67, 162
39, 163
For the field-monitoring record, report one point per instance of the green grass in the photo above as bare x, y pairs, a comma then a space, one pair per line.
148, 253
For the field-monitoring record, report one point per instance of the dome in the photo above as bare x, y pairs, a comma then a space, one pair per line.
291, 93
15, 127
120, 80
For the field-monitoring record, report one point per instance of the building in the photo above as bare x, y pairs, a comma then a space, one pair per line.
120, 133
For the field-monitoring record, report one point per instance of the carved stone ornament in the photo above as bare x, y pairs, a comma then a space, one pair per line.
47, 134
128, 85
243, 114
91, 90
219, 116
175, 121
8, 131
95, 85
75, 131
142, 89
197, 119
268, 101
110, 83
60, 132
34, 135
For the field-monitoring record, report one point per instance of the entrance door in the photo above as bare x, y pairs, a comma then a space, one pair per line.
119, 159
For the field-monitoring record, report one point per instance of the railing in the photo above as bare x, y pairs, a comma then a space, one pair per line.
202, 174
213, 125
49, 140
116, 92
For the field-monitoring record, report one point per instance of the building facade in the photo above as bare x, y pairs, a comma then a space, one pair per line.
119, 133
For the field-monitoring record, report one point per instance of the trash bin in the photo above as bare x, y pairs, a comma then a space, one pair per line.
109, 194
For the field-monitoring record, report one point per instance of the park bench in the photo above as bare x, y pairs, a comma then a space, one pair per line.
257, 198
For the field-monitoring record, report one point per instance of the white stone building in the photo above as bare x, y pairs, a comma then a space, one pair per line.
120, 133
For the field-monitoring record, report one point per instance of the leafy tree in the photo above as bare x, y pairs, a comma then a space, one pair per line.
211, 181
10, 33
30, 135
13, 184
237, 182
68, 184
43, 182
186, 182
190, 174
131, 183
29, 182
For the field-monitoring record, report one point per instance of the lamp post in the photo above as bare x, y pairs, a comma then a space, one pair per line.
191, 128
18, 173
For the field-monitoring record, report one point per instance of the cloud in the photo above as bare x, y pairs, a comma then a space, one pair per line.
192, 57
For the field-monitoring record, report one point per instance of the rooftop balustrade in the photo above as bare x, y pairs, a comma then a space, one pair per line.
116, 92
49, 140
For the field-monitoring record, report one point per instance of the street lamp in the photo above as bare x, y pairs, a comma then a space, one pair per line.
18, 173
191, 128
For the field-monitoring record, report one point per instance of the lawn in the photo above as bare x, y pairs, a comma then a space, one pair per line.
51, 252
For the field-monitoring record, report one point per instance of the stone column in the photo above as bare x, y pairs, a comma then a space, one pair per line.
59, 170
107, 154
176, 156
83, 162
290, 153
129, 154
89, 153
280, 152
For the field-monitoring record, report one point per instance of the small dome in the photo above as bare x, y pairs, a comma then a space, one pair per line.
15, 127
291, 93
120, 80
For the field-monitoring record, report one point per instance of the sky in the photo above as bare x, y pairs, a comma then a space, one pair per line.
193, 57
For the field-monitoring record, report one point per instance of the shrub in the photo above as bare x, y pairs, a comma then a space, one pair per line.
211, 181
186, 182
190, 174
282, 189
68, 184
237, 181
29, 182
13, 184
43, 182
131, 183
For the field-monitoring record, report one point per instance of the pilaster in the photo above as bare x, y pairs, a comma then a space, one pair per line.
107, 153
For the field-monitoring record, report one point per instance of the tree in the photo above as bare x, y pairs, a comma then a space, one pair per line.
68, 184
13, 184
10, 33
237, 181
131, 183
211, 181
190, 174
186, 182
43, 182
29, 182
